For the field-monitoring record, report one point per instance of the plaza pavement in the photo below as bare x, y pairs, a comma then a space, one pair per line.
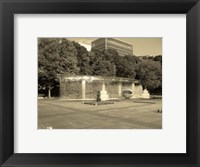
125, 114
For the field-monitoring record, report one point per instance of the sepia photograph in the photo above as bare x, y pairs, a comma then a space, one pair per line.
99, 83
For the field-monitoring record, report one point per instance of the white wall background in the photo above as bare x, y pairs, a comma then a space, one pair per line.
171, 139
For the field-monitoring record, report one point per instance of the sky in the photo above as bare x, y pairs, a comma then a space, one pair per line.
141, 46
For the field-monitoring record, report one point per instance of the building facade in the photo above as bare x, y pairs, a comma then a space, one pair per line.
121, 47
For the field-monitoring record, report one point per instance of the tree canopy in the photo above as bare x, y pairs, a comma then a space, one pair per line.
55, 56
101, 63
61, 56
150, 74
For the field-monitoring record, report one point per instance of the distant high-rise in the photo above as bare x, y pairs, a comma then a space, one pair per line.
121, 47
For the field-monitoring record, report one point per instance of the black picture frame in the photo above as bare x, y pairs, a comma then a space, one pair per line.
10, 7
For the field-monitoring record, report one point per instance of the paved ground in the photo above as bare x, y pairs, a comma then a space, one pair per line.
125, 114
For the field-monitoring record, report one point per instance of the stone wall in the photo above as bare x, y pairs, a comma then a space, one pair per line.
71, 90
92, 89
87, 87
138, 91
113, 89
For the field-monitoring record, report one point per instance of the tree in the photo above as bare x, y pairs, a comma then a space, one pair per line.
60, 56
126, 66
83, 58
150, 74
110, 63
101, 64
55, 56
158, 58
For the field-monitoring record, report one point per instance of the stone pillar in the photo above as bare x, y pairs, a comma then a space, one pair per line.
103, 86
140, 90
133, 89
120, 89
83, 89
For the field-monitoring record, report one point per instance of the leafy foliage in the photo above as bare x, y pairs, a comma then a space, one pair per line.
101, 63
126, 66
150, 74
83, 59
61, 56
55, 56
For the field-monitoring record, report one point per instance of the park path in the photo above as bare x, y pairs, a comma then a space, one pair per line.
121, 115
